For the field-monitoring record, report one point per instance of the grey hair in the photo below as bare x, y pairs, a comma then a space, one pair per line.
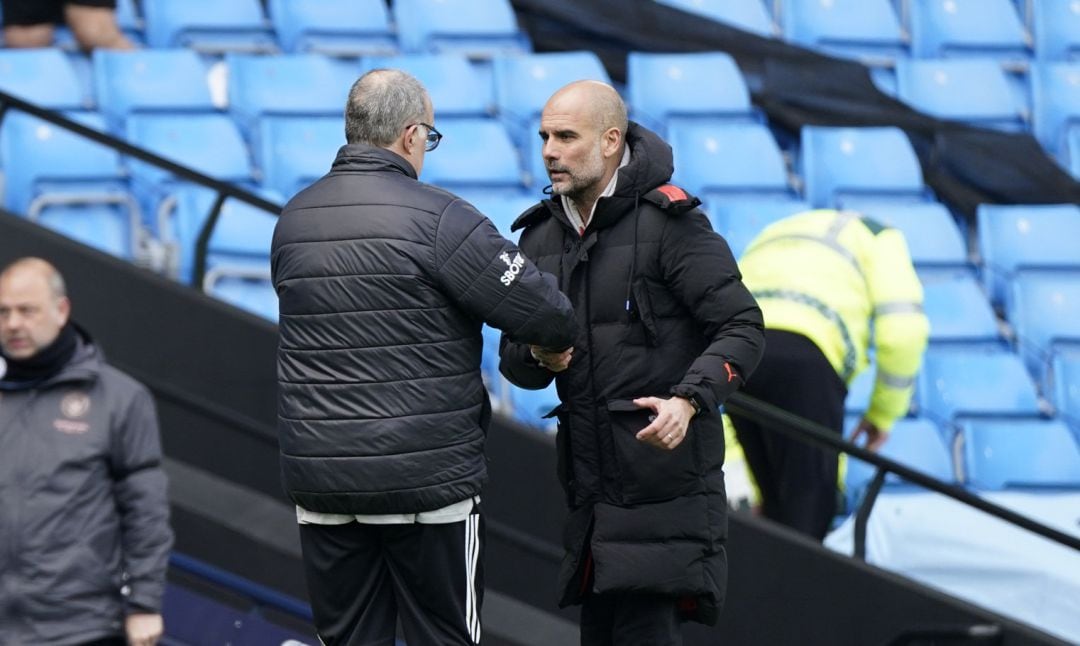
381, 104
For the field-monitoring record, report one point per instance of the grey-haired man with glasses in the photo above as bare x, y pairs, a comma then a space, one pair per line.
383, 284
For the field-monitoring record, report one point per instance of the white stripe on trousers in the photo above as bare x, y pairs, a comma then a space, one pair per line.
472, 552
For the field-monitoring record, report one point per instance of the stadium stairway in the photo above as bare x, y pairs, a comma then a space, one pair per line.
211, 369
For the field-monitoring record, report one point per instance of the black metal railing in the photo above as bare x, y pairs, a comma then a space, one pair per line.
807, 431
223, 190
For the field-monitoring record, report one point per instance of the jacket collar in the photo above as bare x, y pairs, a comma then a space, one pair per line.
362, 157
85, 365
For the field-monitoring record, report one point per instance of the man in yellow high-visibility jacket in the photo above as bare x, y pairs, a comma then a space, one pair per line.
822, 279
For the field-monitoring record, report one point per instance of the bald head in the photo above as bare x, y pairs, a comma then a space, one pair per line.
33, 307
599, 102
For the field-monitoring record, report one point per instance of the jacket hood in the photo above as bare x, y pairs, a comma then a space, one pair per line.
651, 163
362, 157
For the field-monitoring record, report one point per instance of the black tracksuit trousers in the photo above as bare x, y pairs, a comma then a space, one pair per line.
797, 480
362, 578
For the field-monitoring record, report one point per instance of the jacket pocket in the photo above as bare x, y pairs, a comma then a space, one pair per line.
648, 473
563, 463
641, 327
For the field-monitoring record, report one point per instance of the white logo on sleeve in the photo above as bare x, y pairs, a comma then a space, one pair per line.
513, 267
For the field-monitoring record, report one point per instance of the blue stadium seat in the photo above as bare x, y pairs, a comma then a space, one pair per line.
208, 143
523, 84
665, 88
740, 220
149, 80
948, 28
958, 382
489, 363
477, 28
288, 84
1003, 454
933, 238
916, 443
959, 312
838, 163
334, 27
475, 155
530, 406
1055, 26
729, 158
974, 91
1045, 310
1073, 147
457, 86
296, 151
867, 30
859, 391
502, 210
748, 15
42, 76
1065, 378
241, 237
1055, 104
254, 293
1014, 237
57, 177
208, 25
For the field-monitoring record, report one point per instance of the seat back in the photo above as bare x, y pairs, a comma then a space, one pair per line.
740, 219
149, 80
731, 158
296, 84
296, 151
943, 28
962, 382
1002, 454
474, 154
975, 91
866, 29
208, 143
749, 15
208, 25
1055, 104
1016, 236
664, 87
42, 76
933, 237
477, 28
841, 162
959, 311
1044, 309
336, 27
457, 86
1055, 26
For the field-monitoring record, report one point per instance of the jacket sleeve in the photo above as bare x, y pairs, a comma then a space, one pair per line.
700, 269
140, 493
488, 276
900, 327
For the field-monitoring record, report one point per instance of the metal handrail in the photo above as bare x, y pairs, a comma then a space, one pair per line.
261, 595
794, 426
222, 189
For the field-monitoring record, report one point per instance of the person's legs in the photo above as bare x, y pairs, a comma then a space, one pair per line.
630, 620
795, 376
439, 580
93, 22
351, 592
29, 23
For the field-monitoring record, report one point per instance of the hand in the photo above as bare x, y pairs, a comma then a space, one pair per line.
875, 437
144, 629
553, 361
668, 428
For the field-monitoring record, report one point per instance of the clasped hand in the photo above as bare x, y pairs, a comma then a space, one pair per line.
553, 361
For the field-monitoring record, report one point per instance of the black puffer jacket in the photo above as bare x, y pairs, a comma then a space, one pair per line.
383, 284
662, 311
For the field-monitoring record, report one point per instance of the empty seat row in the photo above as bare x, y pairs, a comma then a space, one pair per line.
882, 31
337, 27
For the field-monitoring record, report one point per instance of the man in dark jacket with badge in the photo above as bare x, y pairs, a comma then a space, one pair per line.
667, 332
84, 525
383, 285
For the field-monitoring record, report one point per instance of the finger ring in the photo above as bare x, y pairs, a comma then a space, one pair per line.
669, 436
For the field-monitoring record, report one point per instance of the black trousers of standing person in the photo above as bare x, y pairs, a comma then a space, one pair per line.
361, 578
627, 619
797, 480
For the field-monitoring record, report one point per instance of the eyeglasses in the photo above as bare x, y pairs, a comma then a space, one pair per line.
431, 141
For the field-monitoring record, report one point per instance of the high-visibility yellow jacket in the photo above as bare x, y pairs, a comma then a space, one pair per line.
829, 275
